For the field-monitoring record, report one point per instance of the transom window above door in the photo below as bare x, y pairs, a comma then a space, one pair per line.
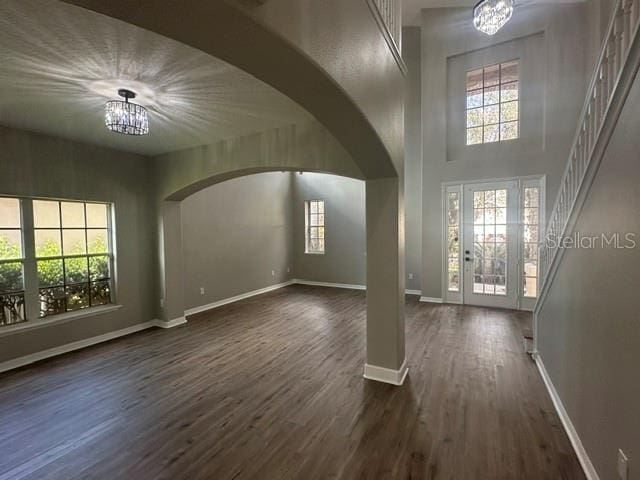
492, 110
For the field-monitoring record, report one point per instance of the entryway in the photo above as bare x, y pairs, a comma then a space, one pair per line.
492, 237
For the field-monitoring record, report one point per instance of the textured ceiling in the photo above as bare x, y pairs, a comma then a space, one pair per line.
60, 63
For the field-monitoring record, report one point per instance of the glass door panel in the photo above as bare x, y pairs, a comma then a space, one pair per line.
490, 252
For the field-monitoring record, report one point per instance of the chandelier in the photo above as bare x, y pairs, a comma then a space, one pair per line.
125, 117
489, 16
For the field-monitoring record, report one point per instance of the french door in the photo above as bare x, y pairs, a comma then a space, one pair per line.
490, 218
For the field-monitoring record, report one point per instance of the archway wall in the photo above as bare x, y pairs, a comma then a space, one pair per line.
329, 56
301, 147
177, 175
333, 59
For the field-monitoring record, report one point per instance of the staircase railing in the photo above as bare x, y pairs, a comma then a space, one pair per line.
388, 16
390, 11
604, 86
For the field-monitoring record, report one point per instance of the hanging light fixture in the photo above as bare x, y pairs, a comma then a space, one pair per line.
489, 16
125, 117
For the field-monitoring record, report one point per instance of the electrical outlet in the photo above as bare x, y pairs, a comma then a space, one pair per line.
623, 465
273, 273
411, 276
288, 270
201, 290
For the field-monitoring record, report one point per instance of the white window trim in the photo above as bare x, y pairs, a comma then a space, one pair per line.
58, 319
449, 296
540, 181
30, 274
466, 109
307, 226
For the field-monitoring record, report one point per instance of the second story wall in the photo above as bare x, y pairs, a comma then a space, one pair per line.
553, 46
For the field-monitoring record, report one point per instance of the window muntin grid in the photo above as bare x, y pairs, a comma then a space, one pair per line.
492, 109
314, 226
73, 255
490, 242
12, 292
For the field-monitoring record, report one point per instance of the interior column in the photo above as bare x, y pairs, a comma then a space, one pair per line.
385, 281
171, 269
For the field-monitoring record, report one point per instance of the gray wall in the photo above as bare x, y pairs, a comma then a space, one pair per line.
554, 80
589, 328
233, 250
551, 39
411, 52
38, 165
344, 260
234, 234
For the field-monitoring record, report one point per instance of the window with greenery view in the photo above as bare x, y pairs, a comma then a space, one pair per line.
73, 255
62, 262
492, 103
12, 308
314, 226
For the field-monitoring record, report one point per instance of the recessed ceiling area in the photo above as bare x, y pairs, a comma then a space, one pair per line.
61, 63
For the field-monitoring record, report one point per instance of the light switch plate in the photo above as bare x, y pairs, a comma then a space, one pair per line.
623, 465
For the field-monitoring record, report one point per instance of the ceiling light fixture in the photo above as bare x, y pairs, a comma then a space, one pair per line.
125, 117
489, 16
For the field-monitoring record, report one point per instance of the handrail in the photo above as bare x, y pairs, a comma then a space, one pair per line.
391, 11
622, 29
388, 16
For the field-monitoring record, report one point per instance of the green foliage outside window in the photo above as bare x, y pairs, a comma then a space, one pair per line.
50, 272
10, 272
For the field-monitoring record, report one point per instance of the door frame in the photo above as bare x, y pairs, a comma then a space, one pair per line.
540, 181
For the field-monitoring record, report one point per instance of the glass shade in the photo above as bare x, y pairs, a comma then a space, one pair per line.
489, 16
127, 118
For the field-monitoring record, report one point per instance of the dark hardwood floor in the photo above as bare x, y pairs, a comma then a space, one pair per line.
271, 388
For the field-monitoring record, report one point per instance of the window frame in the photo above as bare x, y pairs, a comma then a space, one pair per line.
21, 260
308, 226
527, 186
452, 228
31, 280
499, 104
86, 255
538, 181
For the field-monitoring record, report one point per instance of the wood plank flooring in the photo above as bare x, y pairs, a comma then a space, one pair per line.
271, 388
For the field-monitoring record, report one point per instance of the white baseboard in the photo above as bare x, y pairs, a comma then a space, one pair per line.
431, 300
69, 347
295, 281
386, 375
587, 466
343, 285
171, 323
327, 284
242, 296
